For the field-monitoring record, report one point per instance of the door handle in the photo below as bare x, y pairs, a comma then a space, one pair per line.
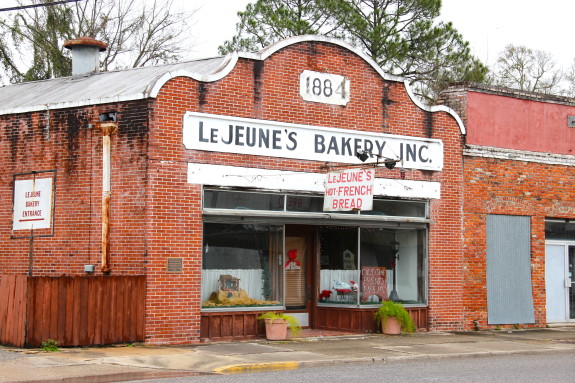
568, 282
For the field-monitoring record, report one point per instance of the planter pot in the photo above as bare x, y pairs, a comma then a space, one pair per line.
276, 329
391, 326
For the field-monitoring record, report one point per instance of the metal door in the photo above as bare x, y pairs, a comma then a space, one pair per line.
560, 282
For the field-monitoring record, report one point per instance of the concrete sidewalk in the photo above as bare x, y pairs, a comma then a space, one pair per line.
143, 362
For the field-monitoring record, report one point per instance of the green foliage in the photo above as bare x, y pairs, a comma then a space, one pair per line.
268, 21
399, 35
293, 323
391, 309
50, 345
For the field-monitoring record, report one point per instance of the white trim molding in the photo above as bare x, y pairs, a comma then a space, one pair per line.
281, 180
518, 155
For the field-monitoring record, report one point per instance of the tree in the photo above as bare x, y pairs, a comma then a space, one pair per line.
527, 69
137, 33
268, 21
570, 79
400, 35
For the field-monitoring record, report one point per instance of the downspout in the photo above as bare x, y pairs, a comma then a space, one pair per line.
108, 128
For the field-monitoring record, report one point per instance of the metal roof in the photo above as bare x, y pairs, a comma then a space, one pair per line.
140, 83
102, 87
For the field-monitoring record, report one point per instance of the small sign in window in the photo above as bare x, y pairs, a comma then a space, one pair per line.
571, 121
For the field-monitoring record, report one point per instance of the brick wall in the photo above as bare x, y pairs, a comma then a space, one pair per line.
65, 142
495, 186
270, 90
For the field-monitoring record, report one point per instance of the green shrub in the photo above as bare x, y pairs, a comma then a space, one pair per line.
50, 345
293, 323
391, 309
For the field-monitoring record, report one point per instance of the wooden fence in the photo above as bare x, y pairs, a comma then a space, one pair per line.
75, 311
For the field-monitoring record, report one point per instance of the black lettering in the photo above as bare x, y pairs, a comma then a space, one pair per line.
410, 152
356, 145
421, 158
201, 131
276, 139
319, 143
251, 136
230, 135
292, 137
367, 146
380, 146
333, 146
239, 135
264, 138
345, 144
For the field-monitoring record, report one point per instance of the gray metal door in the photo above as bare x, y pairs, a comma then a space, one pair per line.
509, 289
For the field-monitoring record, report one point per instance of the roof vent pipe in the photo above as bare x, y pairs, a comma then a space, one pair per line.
85, 54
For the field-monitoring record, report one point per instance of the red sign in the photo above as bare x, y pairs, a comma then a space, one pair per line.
374, 282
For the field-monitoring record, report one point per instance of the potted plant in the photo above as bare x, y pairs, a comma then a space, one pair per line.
278, 323
393, 318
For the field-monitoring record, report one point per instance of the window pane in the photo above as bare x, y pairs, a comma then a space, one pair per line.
304, 203
559, 230
216, 199
379, 266
338, 265
241, 265
398, 208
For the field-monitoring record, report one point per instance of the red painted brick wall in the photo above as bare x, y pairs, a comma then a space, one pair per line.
270, 90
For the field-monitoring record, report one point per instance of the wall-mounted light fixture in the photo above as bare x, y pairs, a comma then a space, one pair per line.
363, 155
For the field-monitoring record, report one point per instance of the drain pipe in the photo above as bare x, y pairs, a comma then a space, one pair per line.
108, 126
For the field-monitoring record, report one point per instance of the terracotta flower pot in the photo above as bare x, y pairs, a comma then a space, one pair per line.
276, 329
391, 326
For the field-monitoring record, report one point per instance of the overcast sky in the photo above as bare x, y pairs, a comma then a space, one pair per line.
489, 25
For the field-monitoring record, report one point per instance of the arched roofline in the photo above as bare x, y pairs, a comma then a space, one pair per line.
232, 59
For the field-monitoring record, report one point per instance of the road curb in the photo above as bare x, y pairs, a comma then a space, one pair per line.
250, 367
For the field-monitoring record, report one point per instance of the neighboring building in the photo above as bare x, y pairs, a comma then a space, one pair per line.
519, 209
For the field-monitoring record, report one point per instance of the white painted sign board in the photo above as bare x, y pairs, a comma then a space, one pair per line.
349, 189
286, 140
32, 204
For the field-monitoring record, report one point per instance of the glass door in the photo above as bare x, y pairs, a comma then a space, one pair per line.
298, 264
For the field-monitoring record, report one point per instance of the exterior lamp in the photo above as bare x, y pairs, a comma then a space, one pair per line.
395, 249
363, 155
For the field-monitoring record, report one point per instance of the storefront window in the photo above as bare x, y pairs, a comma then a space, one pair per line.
392, 266
338, 265
242, 265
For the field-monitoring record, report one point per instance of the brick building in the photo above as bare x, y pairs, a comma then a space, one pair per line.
519, 205
213, 194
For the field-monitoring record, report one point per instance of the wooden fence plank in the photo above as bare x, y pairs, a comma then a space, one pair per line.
80, 310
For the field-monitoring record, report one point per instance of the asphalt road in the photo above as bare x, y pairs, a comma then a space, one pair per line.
548, 367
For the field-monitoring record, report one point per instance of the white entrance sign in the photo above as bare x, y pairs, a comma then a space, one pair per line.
274, 139
32, 204
350, 189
